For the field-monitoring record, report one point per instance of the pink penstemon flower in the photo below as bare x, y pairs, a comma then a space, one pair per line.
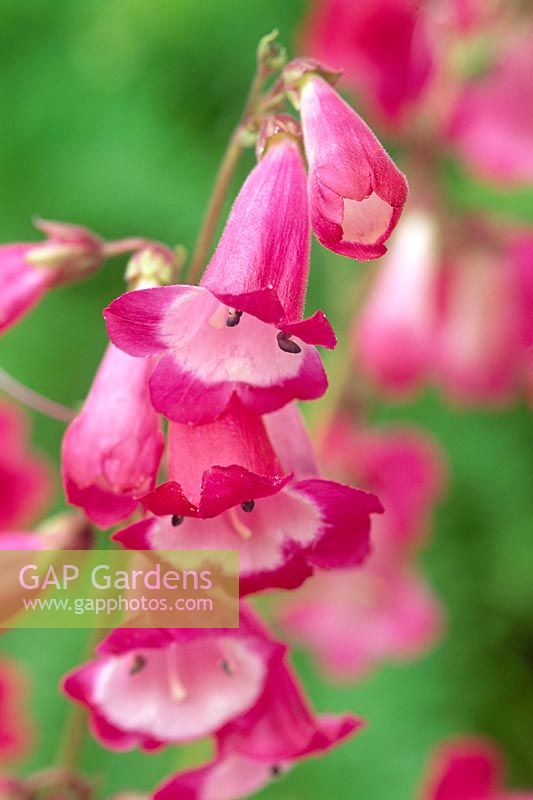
284, 519
394, 333
356, 193
27, 271
112, 449
468, 769
384, 46
354, 620
241, 331
25, 478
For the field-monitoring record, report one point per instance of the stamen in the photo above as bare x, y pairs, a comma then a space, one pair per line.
248, 506
226, 667
176, 520
234, 317
239, 527
178, 692
286, 344
139, 663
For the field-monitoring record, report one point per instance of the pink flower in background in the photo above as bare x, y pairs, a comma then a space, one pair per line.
149, 687
492, 124
112, 449
354, 620
356, 193
25, 481
468, 769
28, 270
15, 729
284, 527
521, 258
478, 342
394, 334
241, 331
261, 745
384, 47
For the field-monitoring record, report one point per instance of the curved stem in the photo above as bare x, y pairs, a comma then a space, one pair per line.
34, 400
225, 172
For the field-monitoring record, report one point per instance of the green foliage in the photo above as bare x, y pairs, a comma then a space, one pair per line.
115, 114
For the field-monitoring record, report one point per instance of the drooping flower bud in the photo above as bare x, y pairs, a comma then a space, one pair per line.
356, 193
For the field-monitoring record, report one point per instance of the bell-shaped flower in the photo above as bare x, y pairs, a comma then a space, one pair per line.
385, 48
262, 744
15, 726
394, 334
241, 331
492, 124
354, 620
25, 482
27, 271
356, 192
150, 687
479, 338
468, 769
284, 526
112, 449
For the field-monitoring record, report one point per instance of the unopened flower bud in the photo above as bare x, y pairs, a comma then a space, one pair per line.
155, 265
270, 54
67, 531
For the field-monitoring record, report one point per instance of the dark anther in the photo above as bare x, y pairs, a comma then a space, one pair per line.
139, 663
275, 770
176, 520
248, 506
234, 317
286, 344
225, 667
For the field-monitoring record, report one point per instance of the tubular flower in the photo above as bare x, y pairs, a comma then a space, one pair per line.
241, 331
385, 48
150, 687
468, 769
354, 620
111, 451
478, 338
27, 271
262, 744
25, 482
15, 731
284, 527
356, 193
394, 335
492, 123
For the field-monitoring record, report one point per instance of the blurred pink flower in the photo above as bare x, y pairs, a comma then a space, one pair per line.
111, 451
478, 345
356, 192
384, 47
468, 769
352, 621
492, 125
15, 728
394, 334
25, 479
28, 270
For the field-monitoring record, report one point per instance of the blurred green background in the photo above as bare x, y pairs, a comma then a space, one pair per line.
115, 114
